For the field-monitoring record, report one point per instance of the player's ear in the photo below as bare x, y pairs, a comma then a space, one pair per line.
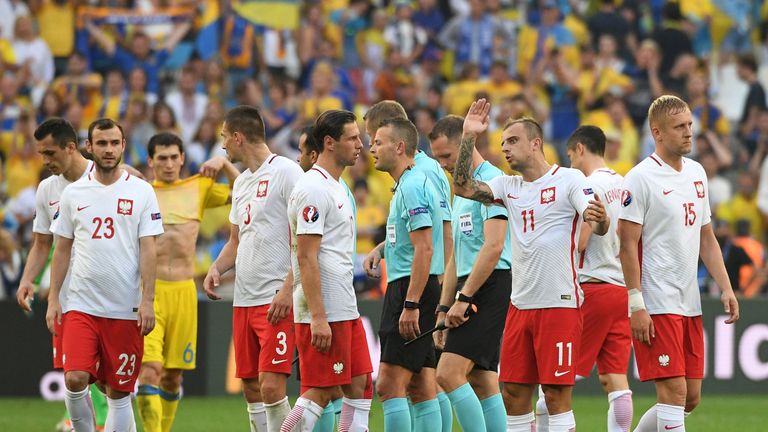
88, 146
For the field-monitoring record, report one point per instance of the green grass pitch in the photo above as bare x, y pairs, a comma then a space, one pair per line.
716, 413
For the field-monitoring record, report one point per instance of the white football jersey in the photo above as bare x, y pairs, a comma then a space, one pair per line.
672, 207
259, 209
320, 205
106, 223
47, 207
544, 219
600, 260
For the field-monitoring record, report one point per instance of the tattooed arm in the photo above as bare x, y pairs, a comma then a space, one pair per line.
475, 123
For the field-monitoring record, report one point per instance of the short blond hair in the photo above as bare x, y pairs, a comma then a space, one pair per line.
664, 106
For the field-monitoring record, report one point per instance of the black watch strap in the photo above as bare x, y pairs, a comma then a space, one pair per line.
465, 298
410, 304
442, 308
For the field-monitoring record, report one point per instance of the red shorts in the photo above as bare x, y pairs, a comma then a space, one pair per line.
347, 358
540, 346
108, 349
606, 338
259, 345
57, 348
677, 350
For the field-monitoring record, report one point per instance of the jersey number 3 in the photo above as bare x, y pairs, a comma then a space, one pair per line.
105, 228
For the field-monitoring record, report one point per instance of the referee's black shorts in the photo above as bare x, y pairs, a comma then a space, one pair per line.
419, 354
479, 339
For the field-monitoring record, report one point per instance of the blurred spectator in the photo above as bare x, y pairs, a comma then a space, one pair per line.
237, 48
10, 11
720, 189
56, 22
424, 119
370, 218
50, 106
311, 31
737, 39
116, 97
673, 41
10, 265
137, 125
79, 86
187, 104
599, 77
755, 101
708, 116
460, 93
373, 53
404, 36
607, 20
23, 163
550, 38
751, 277
279, 53
735, 258
743, 206
281, 112
560, 81
429, 17
34, 57
137, 86
12, 106
759, 142
320, 97
646, 80
473, 37
613, 153
164, 119
215, 83
500, 86
351, 22
204, 145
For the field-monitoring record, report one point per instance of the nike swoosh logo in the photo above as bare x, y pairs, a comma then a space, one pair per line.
510, 196
82, 208
52, 203
274, 361
667, 192
341, 205
121, 382
559, 374
673, 427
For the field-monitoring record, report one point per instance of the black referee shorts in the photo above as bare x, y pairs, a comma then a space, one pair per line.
479, 339
419, 354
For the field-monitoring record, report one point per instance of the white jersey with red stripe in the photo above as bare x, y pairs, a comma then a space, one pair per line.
319, 205
544, 219
106, 223
600, 260
671, 206
259, 209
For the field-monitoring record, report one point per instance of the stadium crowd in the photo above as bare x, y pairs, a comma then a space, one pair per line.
178, 66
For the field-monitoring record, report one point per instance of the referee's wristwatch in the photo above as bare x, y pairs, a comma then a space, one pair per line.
441, 308
410, 304
464, 298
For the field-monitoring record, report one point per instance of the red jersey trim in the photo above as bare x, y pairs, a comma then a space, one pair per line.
581, 259
128, 175
271, 159
555, 171
321, 173
655, 160
573, 266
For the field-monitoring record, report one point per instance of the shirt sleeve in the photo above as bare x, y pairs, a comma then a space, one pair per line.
416, 205
63, 224
445, 197
151, 223
581, 192
218, 195
311, 207
707, 210
41, 223
498, 186
633, 199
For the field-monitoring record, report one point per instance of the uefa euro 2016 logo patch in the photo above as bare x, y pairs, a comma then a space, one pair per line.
310, 214
626, 198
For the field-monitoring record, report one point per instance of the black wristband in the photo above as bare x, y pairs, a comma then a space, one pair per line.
464, 298
410, 305
442, 308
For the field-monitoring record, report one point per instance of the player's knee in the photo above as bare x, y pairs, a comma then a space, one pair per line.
150, 374
251, 390
692, 401
272, 389
387, 389
76, 381
171, 380
448, 378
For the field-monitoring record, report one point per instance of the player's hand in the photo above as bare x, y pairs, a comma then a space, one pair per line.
321, 334
281, 305
409, 324
477, 118
212, 166
456, 315
440, 336
642, 326
24, 296
146, 317
595, 211
731, 306
211, 282
371, 263
53, 315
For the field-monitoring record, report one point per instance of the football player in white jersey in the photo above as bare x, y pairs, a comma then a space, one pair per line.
665, 204
546, 206
111, 218
606, 338
259, 250
333, 351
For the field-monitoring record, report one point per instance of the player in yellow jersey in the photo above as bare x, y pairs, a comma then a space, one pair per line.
171, 347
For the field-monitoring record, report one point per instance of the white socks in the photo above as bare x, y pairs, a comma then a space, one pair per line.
257, 416
563, 422
620, 411
670, 418
276, 414
521, 423
80, 410
542, 413
302, 417
120, 415
354, 415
